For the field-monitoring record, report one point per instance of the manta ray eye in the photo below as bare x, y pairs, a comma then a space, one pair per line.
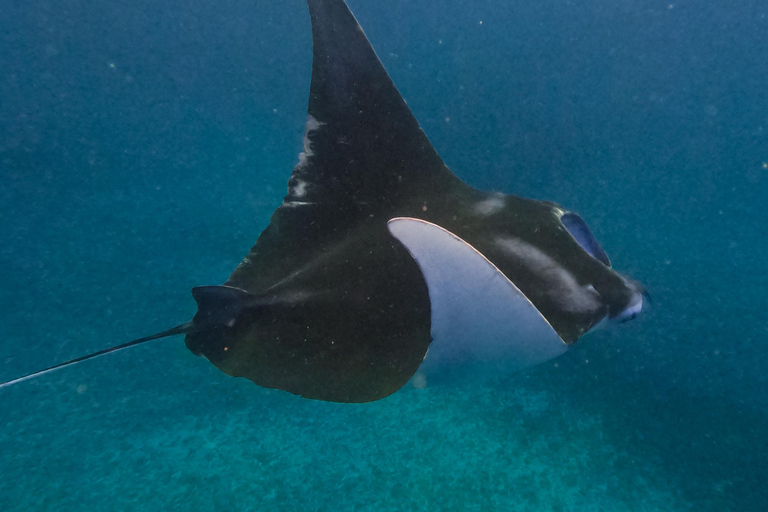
579, 230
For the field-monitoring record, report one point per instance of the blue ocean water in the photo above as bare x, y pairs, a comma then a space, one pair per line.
144, 145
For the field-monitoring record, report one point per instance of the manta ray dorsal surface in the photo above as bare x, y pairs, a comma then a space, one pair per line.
482, 324
329, 305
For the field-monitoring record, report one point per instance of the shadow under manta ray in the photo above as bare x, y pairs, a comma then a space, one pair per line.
379, 252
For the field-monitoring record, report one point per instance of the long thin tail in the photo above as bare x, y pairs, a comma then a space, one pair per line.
179, 329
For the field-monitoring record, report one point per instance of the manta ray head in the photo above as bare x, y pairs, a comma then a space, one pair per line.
635, 292
551, 255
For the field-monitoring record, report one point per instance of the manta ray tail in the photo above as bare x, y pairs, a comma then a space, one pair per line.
179, 329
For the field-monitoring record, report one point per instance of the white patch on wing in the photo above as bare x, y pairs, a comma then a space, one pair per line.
293, 204
300, 190
560, 283
311, 125
298, 187
489, 206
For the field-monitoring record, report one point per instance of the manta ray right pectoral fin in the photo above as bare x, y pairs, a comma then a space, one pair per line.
481, 322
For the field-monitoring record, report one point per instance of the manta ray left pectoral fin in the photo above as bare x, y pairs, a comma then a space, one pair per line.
481, 322
361, 141
364, 154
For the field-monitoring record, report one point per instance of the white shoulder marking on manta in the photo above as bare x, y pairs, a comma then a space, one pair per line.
562, 286
489, 206
482, 324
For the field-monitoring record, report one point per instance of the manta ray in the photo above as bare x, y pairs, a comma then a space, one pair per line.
381, 266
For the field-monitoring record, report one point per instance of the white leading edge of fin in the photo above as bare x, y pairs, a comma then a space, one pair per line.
482, 324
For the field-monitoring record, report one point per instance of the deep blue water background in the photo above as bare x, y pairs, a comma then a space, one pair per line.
144, 145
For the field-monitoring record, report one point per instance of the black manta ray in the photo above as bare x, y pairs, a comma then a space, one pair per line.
381, 263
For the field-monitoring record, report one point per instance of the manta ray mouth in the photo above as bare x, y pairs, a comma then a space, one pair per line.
637, 302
